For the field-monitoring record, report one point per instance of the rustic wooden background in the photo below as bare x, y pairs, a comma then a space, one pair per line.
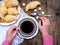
51, 7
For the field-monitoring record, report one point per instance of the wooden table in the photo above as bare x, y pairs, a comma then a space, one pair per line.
50, 8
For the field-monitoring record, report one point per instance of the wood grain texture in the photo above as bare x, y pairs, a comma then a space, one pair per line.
50, 7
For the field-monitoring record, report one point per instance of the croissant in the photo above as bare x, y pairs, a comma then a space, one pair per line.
32, 5
9, 18
3, 10
3, 4
10, 3
12, 11
1, 18
7, 0
15, 3
16, 12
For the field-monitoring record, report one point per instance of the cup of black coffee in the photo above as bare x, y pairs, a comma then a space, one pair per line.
28, 28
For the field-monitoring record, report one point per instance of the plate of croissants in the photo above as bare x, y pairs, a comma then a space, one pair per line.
9, 12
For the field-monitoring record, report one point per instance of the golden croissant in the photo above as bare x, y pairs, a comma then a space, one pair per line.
8, 4
3, 10
9, 18
7, 0
12, 11
15, 3
32, 5
3, 4
11, 3
1, 18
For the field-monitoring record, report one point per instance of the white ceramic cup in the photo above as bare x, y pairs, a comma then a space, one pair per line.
35, 31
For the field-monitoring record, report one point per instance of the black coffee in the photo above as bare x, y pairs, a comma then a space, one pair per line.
27, 27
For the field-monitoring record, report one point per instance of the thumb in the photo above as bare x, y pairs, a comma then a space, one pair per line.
15, 32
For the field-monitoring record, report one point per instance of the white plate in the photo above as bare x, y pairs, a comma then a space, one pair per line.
12, 21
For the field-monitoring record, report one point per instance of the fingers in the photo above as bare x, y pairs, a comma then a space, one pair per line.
42, 19
45, 19
39, 24
15, 32
12, 28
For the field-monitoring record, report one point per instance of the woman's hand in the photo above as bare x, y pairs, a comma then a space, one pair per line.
11, 33
44, 25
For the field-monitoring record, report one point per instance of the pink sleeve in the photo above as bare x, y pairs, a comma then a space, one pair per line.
47, 40
7, 43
